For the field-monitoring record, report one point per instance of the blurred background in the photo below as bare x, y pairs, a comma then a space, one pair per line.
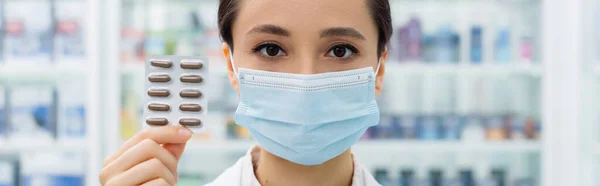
477, 92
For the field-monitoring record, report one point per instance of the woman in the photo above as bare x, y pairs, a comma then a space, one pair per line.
307, 72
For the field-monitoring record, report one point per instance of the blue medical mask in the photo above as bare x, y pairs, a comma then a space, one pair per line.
307, 119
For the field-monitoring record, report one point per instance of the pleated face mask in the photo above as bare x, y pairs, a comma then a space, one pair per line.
307, 119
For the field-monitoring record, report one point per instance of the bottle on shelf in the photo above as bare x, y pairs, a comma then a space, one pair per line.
3, 114
495, 129
502, 51
382, 177
476, 50
473, 130
406, 177
436, 177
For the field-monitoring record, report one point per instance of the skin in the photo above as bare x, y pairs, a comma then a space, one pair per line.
312, 29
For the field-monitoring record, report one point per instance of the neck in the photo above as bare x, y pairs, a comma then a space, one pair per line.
273, 170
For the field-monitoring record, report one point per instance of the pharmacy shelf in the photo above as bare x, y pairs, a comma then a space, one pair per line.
391, 146
394, 146
42, 145
42, 72
488, 69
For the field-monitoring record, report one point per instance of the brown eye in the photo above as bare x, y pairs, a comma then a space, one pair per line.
269, 50
339, 51
272, 50
342, 51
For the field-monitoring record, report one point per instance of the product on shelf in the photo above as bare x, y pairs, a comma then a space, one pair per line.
452, 127
502, 46
72, 96
53, 169
436, 177
408, 126
32, 113
429, 128
187, 103
28, 33
69, 44
466, 177
3, 113
9, 170
382, 177
476, 49
499, 175
473, 130
447, 45
406, 178
495, 129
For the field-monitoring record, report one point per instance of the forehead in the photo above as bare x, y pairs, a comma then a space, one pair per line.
305, 16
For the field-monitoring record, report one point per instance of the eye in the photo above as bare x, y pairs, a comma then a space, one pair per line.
342, 51
269, 50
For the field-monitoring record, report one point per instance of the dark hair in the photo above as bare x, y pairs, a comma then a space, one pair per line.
379, 10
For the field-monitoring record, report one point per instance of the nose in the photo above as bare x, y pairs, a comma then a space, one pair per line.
306, 64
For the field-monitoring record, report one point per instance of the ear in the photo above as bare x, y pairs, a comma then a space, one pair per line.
379, 75
232, 76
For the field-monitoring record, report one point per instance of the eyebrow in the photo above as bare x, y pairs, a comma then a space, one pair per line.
342, 31
270, 29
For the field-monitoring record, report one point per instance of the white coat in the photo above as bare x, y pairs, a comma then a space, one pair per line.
242, 173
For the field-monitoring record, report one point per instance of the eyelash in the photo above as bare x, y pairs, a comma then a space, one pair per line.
257, 49
345, 45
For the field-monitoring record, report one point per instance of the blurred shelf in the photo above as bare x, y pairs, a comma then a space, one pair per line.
41, 72
394, 146
391, 146
596, 149
527, 69
134, 67
42, 145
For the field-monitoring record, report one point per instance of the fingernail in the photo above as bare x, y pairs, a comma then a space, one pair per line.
185, 132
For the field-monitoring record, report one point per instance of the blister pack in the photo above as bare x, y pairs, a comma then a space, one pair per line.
174, 95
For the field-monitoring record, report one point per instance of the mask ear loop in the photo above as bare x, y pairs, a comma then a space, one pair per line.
232, 63
378, 65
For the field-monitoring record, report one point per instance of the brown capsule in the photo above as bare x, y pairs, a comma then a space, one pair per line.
157, 121
190, 94
159, 78
191, 64
159, 107
190, 107
191, 79
159, 93
162, 63
190, 122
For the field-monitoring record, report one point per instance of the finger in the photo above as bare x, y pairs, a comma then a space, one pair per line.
161, 135
145, 172
139, 153
175, 149
156, 182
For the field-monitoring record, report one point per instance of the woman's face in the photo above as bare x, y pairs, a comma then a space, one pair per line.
304, 37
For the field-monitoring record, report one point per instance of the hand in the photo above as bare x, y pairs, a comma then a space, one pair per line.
149, 158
